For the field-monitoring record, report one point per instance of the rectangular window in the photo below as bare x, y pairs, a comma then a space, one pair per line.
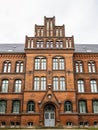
82, 106
43, 83
55, 64
16, 106
36, 83
55, 83
37, 64
93, 86
95, 106
43, 64
80, 86
2, 106
61, 63
62, 83
5, 86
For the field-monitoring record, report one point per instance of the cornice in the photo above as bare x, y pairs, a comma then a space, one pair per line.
12, 55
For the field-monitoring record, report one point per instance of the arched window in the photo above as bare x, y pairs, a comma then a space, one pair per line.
19, 66
79, 67
58, 63
67, 106
40, 63
91, 67
95, 106
80, 85
2, 106
18, 84
16, 106
31, 106
5, 86
7, 67
93, 85
82, 106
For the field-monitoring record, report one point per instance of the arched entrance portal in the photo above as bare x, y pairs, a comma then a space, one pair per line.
49, 115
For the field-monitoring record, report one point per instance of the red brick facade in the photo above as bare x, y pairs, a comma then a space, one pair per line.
77, 70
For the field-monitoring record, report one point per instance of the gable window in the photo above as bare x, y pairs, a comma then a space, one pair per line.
82, 106
67, 106
4, 86
40, 63
16, 106
58, 63
93, 84
18, 84
79, 67
19, 67
2, 106
95, 106
91, 67
80, 85
7, 67
40, 44
49, 44
59, 44
31, 106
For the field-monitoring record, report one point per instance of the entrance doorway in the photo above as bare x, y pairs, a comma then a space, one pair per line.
49, 115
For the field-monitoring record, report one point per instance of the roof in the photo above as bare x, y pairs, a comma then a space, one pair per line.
19, 48
86, 48
12, 48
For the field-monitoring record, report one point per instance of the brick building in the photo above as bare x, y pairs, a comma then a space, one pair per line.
48, 81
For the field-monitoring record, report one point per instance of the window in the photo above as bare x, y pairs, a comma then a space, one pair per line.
12, 124
80, 85
79, 67
59, 44
42, 32
4, 86
95, 106
18, 85
91, 67
30, 43
67, 106
3, 124
7, 67
58, 63
30, 124
82, 106
31, 106
59, 83
16, 106
19, 67
43, 83
49, 44
93, 86
39, 83
57, 32
62, 83
40, 63
36, 83
55, 83
68, 43
2, 106
61, 33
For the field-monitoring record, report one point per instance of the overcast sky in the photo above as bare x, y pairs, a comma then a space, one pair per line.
18, 17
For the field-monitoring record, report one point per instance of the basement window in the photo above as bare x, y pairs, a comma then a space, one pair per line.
12, 124
30, 124
3, 124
